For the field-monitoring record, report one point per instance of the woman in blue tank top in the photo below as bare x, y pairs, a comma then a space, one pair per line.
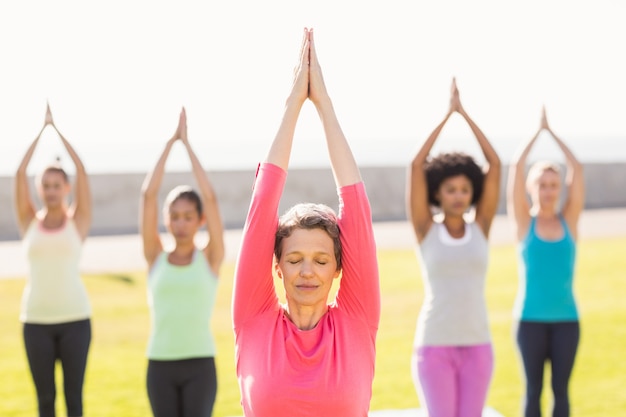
545, 308
182, 282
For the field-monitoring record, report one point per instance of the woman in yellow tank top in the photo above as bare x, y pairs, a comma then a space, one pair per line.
55, 306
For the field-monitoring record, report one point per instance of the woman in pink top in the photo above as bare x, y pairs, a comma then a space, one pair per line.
307, 357
55, 306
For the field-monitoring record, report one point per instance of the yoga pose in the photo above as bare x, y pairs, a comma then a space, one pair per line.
182, 283
55, 305
452, 361
307, 357
545, 308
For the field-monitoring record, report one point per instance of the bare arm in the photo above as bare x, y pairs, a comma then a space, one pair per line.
280, 150
149, 220
517, 202
214, 250
24, 206
575, 183
80, 209
487, 206
345, 169
418, 206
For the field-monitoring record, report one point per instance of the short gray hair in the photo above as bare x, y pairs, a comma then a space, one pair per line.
308, 216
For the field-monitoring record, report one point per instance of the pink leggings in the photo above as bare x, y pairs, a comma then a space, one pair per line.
452, 381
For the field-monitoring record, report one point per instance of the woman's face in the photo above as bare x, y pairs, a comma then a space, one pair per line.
182, 220
307, 267
53, 189
546, 189
455, 195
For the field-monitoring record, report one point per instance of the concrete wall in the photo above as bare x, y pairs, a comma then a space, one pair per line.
116, 196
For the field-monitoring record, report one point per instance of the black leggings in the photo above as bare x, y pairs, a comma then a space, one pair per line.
539, 342
68, 342
182, 388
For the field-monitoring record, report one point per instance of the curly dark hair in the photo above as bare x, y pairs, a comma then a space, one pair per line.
451, 164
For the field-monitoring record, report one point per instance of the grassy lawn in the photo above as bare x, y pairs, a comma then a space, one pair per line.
115, 384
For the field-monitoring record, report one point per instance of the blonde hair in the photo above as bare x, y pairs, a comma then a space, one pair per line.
538, 168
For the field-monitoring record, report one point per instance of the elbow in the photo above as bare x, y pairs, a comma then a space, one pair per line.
578, 166
209, 198
80, 167
417, 165
148, 195
495, 165
148, 190
495, 161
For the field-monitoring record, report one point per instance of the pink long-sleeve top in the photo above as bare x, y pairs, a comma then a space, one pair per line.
325, 371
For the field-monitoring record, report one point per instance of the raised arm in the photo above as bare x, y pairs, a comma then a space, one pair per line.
24, 206
345, 169
574, 181
487, 206
280, 151
214, 250
253, 288
81, 209
518, 208
418, 208
359, 292
149, 220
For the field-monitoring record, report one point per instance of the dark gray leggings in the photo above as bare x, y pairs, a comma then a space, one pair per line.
67, 342
539, 342
182, 388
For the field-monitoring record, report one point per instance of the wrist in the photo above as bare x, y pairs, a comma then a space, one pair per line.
294, 101
322, 101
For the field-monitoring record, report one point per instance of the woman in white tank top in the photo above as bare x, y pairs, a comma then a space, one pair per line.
453, 360
55, 306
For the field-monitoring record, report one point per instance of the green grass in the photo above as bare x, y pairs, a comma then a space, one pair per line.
115, 384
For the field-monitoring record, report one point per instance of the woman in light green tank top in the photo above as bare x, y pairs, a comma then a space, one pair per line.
181, 378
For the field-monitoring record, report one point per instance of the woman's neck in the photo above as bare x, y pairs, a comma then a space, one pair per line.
544, 212
455, 225
182, 253
53, 218
305, 317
